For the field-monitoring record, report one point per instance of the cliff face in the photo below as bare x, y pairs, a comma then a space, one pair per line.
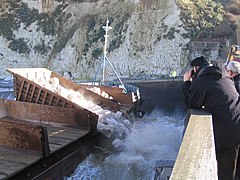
148, 39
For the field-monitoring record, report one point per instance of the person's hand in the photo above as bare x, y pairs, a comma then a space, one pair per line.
187, 76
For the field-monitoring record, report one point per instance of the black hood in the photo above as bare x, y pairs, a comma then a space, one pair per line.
216, 71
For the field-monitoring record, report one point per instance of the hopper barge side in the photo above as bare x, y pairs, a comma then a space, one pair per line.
28, 87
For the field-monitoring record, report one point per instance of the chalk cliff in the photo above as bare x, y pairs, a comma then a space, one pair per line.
148, 39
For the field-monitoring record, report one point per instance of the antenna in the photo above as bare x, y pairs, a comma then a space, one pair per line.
107, 28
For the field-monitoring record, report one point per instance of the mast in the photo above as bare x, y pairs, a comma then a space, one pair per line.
106, 28
104, 58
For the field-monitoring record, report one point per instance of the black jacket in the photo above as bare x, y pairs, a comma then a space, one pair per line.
237, 82
214, 89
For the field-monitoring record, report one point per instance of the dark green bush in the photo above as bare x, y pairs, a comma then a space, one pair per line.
20, 46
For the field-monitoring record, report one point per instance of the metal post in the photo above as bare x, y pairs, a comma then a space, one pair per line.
106, 28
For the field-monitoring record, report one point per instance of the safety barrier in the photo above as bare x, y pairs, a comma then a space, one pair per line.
196, 158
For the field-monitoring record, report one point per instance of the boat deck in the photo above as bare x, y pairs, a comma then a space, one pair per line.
12, 160
59, 137
30, 137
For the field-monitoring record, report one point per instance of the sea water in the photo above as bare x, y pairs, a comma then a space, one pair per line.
138, 145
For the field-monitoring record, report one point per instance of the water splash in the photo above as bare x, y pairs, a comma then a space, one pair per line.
155, 137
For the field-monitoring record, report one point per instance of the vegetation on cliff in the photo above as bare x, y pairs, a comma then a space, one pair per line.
201, 17
17, 14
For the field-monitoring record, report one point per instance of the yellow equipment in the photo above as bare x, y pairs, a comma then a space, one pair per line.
234, 53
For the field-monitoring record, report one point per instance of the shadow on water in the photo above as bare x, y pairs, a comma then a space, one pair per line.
154, 137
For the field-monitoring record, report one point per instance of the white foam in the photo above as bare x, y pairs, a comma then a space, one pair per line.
146, 141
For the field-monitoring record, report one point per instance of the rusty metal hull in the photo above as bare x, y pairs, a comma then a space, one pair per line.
117, 94
78, 118
61, 163
29, 91
31, 133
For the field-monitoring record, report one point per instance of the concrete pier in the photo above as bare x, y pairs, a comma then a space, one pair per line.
196, 158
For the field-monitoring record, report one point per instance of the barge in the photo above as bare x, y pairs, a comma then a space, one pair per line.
50, 127
43, 86
42, 141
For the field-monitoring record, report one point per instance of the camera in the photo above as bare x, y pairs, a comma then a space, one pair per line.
192, 73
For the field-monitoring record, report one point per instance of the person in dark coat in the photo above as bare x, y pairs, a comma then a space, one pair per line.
214, 90
233, 69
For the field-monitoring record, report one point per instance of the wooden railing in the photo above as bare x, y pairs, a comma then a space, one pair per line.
196, 158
